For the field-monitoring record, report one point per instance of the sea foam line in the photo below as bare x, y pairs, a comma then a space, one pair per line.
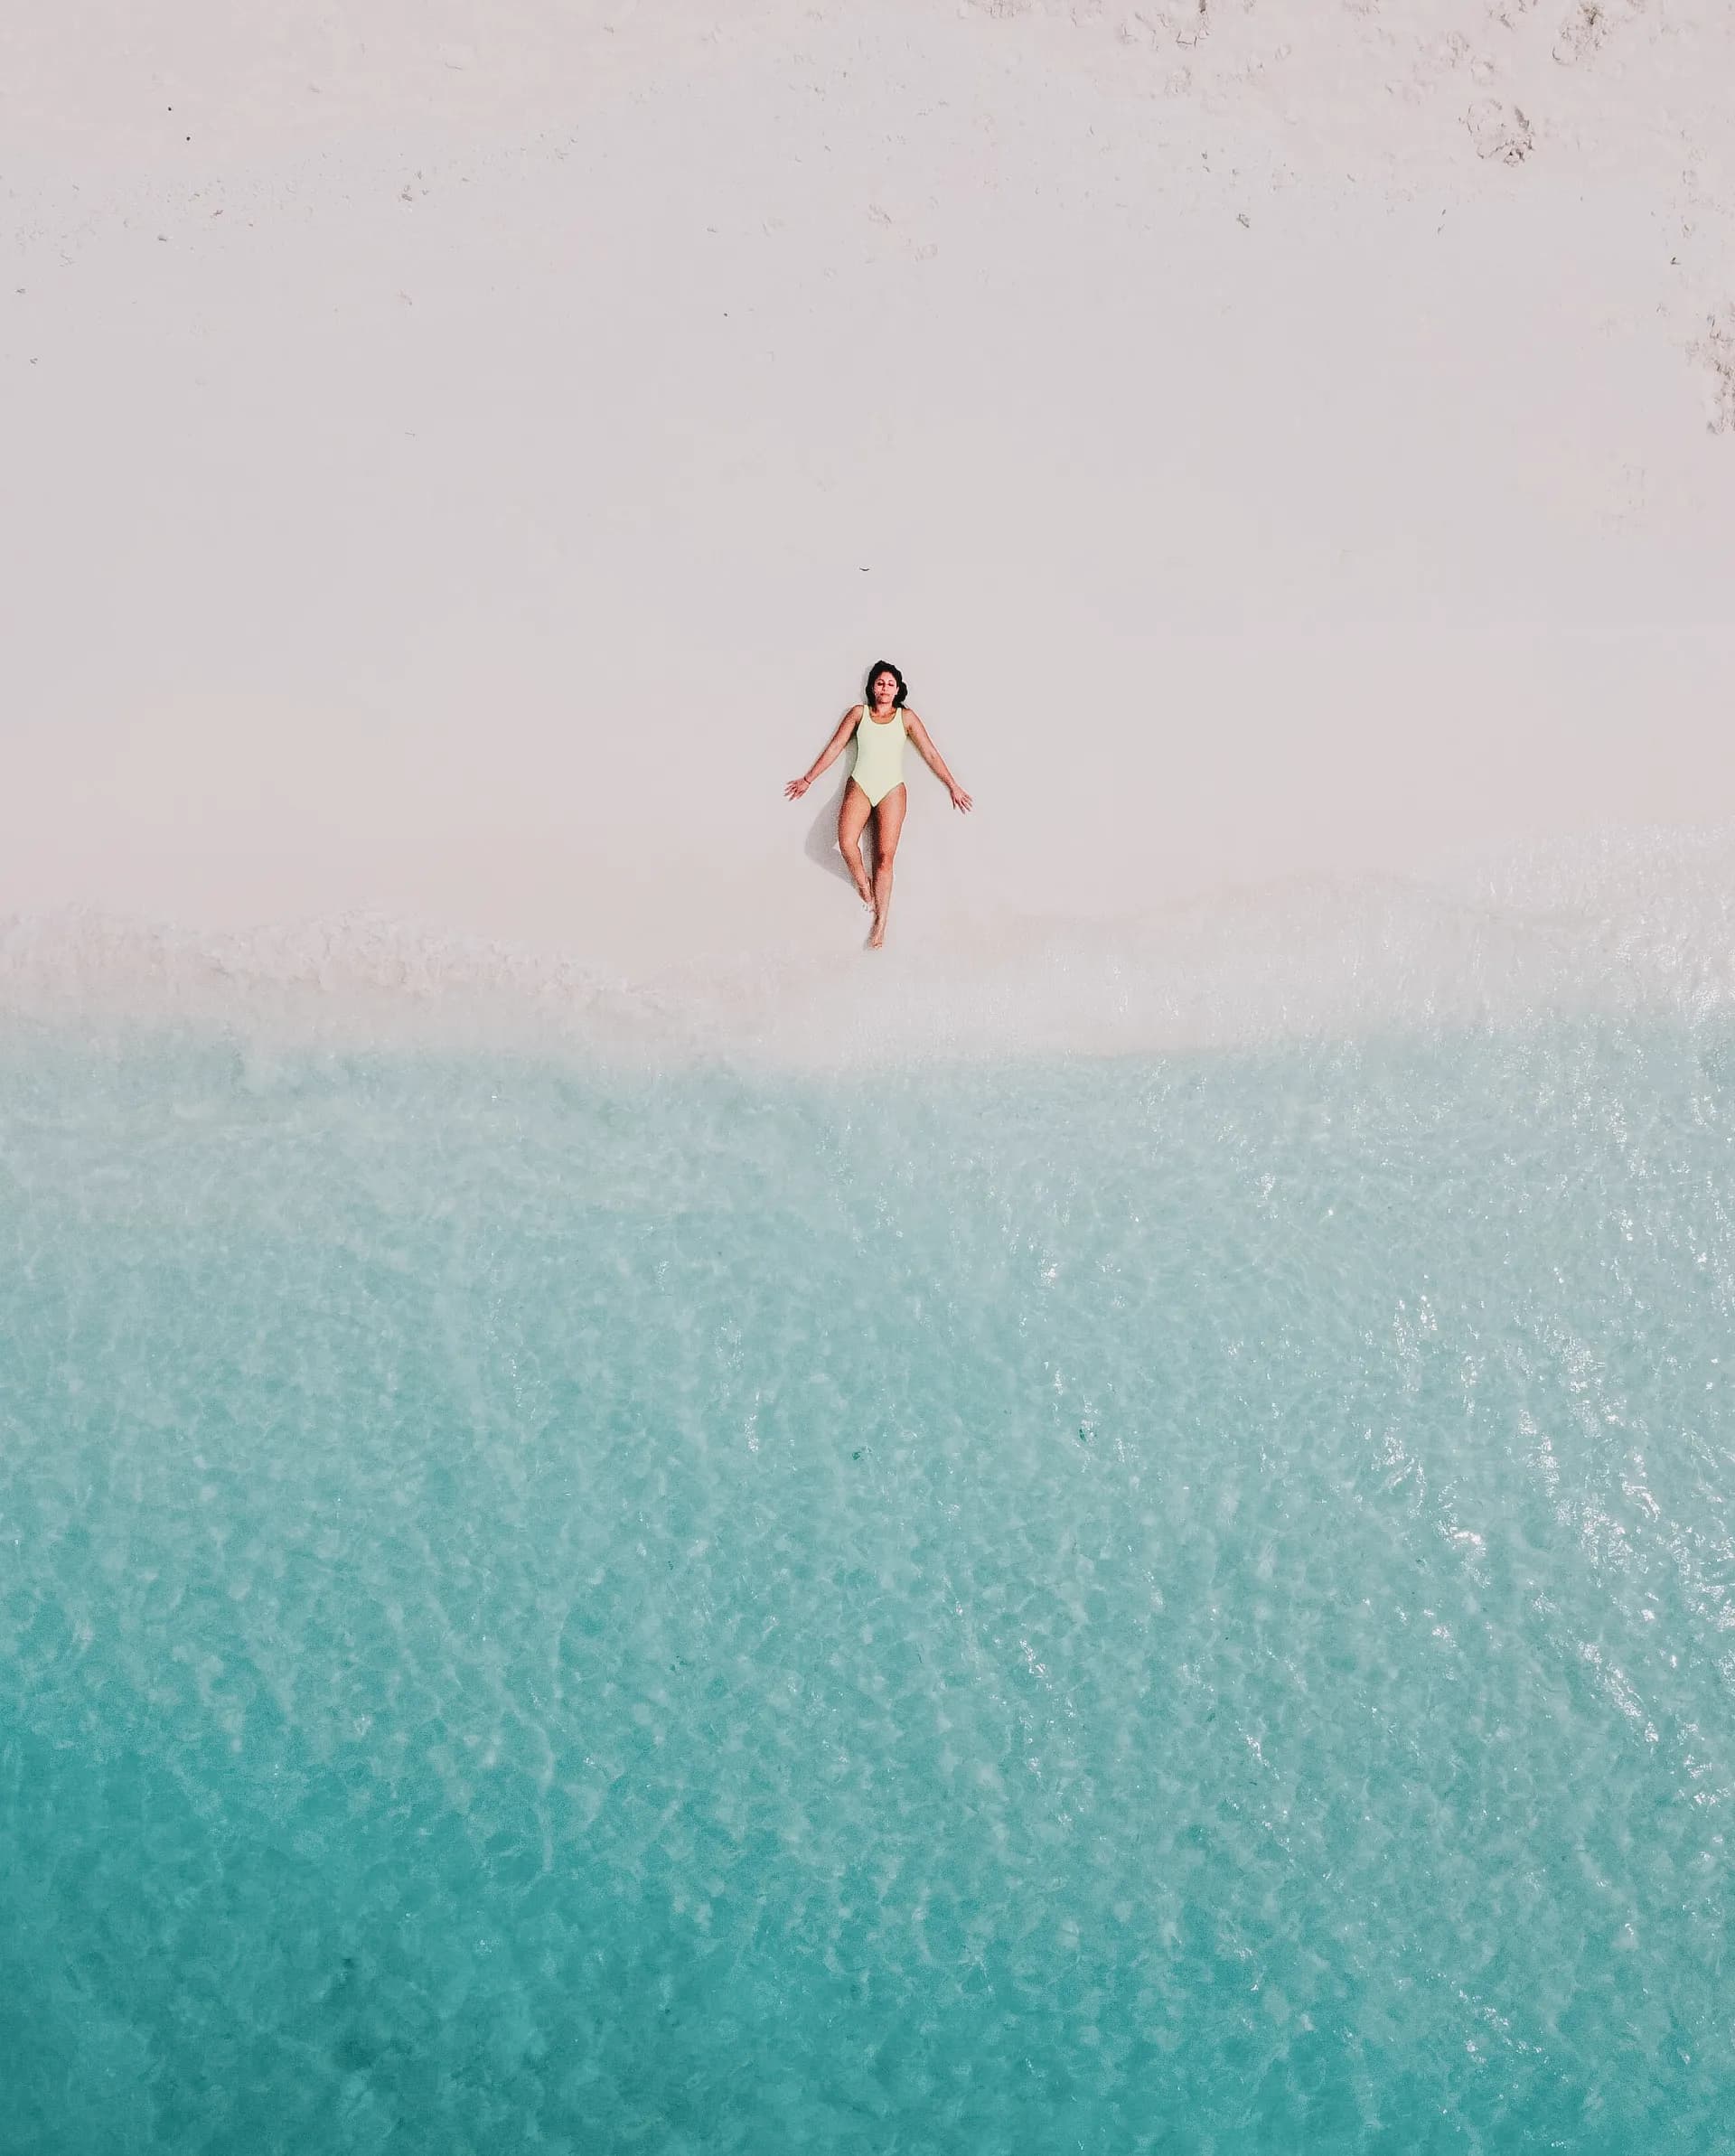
1628, 923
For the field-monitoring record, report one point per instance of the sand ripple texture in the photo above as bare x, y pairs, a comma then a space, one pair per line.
1170, 1605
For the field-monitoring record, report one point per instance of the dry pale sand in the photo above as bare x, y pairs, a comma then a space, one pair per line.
459, 459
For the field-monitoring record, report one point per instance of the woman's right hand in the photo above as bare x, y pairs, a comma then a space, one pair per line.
796, 788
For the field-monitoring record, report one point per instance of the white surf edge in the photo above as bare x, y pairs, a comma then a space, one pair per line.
1624, 923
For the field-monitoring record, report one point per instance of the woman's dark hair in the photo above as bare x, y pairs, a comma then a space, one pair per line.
884, 666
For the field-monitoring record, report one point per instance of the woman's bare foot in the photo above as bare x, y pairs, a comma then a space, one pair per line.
878, 936
864, 892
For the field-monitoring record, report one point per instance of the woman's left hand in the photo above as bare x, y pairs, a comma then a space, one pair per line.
961, 800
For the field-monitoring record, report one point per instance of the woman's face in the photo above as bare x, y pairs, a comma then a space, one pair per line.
883, 688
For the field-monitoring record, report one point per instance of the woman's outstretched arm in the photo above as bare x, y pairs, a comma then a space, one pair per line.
828, 756
935, 761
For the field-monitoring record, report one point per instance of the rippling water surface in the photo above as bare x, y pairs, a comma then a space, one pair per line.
1177, 1603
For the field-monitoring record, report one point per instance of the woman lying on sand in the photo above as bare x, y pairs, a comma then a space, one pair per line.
875, 788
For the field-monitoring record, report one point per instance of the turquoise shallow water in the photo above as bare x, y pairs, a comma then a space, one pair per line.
1164, 1604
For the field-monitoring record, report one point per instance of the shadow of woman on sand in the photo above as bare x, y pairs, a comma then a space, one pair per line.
821, 843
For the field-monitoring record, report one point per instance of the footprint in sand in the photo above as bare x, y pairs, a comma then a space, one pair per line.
1500, 131
1715, 352
1581, 33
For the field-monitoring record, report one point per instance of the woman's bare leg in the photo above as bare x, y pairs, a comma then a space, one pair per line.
852, 821
888, 822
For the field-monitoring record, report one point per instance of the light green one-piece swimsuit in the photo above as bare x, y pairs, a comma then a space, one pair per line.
879, 754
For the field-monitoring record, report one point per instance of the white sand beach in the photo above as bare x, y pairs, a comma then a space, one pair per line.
459, 460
